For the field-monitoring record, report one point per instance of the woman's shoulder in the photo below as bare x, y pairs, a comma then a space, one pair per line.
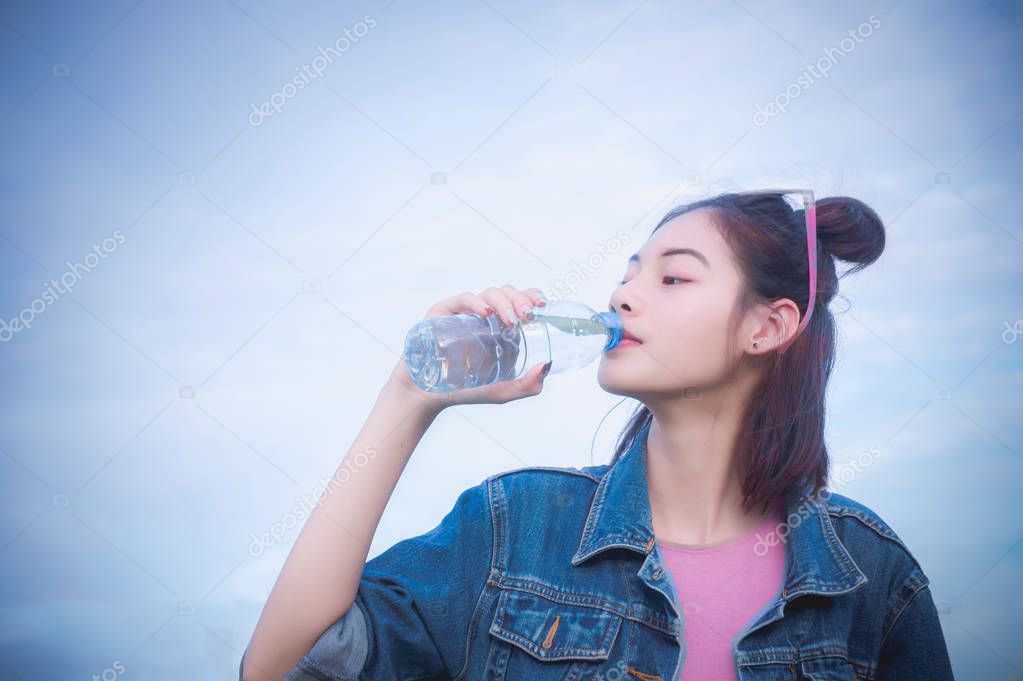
844, 509
559, 489
527, 474
867, 536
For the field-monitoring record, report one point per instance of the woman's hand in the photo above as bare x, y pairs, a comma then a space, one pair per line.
511, 305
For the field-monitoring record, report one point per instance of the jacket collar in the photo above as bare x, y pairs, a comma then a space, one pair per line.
816, 560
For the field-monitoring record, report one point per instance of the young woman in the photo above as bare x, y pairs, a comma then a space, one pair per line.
708, 548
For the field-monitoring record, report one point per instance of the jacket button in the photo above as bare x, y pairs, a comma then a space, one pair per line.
656, 574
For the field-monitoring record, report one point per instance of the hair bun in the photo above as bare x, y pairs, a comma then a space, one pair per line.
849, 230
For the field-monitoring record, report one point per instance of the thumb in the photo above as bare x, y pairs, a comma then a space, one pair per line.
533, 381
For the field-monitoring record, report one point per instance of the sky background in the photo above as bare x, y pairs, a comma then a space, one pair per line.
259, 272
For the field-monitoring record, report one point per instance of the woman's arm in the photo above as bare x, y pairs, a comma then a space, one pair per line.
320, 577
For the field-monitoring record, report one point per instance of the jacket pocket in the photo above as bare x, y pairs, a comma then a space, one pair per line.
827, 669
538, 638
549, 630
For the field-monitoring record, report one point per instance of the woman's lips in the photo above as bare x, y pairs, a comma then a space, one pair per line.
628, 342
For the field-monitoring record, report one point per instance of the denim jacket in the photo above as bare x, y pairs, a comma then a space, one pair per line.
545, 573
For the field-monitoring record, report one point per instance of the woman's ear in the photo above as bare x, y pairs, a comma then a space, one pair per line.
776, 323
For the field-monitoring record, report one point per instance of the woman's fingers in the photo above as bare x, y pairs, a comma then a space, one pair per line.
463, 302
537, 296
522, 302
508, 302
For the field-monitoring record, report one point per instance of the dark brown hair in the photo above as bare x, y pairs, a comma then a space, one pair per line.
781, 448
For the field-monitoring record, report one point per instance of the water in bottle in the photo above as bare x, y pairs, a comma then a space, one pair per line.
466, 350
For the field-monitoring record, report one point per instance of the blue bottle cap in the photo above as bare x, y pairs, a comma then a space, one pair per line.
614, 328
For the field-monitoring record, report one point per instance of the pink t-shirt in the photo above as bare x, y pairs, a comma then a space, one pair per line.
720, 588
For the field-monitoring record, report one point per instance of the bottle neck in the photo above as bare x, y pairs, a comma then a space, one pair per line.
614, 328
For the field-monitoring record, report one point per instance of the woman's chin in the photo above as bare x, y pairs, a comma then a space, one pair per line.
616, 385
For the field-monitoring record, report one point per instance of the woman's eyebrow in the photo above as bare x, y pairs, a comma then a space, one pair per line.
677, 251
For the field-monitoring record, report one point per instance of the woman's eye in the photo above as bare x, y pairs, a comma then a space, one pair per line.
623, 281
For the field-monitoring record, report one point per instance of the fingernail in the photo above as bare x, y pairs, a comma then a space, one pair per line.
509, 314
546, 369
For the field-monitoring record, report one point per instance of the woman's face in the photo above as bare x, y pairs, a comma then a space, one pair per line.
678, 306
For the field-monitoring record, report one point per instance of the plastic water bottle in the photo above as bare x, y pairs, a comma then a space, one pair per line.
466, 350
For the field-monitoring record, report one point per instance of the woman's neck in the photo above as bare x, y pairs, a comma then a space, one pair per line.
692, 477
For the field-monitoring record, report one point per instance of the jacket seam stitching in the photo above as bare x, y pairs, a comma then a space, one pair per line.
596, 507
547, 469
902, 609
806, 632
554, 594
628, 592
483, 590
841, 552
867, 522
796, 655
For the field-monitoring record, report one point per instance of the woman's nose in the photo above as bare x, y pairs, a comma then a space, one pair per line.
618, 301
625, 298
